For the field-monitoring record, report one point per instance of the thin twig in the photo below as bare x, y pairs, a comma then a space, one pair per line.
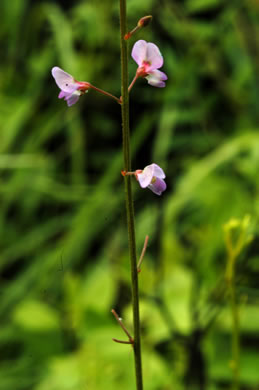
123, 327
123, 341
142, 253
105, 93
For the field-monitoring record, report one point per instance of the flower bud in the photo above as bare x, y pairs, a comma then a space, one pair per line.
143, 22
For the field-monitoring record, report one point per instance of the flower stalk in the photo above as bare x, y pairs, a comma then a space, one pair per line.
128, 194
133, 82
105, 93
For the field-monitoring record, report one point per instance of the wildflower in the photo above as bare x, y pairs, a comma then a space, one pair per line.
71, 89
149, 60
152, 177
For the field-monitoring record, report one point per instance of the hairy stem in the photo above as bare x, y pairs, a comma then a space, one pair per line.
128, 194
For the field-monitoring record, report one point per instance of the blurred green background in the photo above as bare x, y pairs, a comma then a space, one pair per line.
64, 260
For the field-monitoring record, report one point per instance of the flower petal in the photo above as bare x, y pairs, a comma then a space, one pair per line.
139, 51
153, 56
158, 186
72, 99
63, 94
64, 80
158, 172
156, 78
146, 176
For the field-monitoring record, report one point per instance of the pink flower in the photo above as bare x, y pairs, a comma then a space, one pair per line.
149, 59
152, 177
71, 89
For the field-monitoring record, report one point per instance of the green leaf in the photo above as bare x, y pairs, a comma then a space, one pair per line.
36, 316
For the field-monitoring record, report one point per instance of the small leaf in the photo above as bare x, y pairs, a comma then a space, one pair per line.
36, 316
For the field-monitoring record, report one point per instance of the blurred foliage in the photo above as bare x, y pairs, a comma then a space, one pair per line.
64, 261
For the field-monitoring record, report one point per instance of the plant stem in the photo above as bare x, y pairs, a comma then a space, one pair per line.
119, 320
143, 253
235, 364
128, 194
133, 82
105, 93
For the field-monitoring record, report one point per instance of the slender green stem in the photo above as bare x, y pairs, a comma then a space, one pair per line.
128, 194
235, 339
235, 363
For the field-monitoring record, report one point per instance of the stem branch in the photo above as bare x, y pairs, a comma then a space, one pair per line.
143, 253
105, 93
133, 82
119, 320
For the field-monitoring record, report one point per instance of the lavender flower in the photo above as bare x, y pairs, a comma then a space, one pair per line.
71, 89
152, 177
149, 60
